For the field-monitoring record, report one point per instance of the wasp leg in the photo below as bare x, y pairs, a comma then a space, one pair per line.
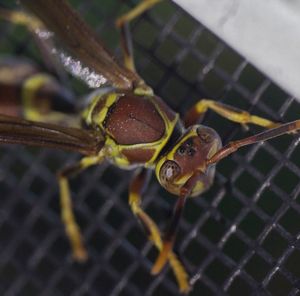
71, 227
126, 45
231, 113
136, 11
122, 23
169, 238
135, 191
21, 18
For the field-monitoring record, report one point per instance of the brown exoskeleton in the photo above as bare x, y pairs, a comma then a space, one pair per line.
128, 125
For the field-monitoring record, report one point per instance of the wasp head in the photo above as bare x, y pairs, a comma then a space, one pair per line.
187, 157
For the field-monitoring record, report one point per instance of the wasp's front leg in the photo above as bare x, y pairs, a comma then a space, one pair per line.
67, 214
135, 191
197, 112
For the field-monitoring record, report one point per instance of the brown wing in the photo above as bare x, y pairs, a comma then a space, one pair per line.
14, 130
80, 40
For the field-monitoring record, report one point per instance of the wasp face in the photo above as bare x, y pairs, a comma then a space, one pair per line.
188, 156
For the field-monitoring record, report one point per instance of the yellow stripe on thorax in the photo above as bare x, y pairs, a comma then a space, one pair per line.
97, 119
113, 149
169, 128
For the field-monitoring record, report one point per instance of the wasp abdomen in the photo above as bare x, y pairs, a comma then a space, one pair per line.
27, 92
12, 75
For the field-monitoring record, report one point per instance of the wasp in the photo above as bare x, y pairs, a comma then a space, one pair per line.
126, 124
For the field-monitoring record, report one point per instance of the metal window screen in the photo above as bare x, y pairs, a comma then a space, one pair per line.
239, 237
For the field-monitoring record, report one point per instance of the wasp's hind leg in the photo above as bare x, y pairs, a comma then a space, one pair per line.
135, 192
71, 227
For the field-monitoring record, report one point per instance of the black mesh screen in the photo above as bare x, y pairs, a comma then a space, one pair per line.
239, 237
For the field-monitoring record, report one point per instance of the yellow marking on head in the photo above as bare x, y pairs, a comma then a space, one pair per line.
170, 155
198, 188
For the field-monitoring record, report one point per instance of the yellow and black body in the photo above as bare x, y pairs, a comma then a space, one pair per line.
159, 135
159, 140
117, 114
128, 124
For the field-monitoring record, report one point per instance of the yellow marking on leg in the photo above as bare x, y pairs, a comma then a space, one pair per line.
162, 258
91, 160
155, 236
129, 62
71, 227
136, 11
232, 114
21, 18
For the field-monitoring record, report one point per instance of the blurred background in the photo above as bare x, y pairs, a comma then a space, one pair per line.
241, 236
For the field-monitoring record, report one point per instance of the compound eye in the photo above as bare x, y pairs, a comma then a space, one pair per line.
181, 150
205, 135
169, 171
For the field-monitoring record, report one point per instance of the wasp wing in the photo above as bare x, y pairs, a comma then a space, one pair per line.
82, 43
14, 130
